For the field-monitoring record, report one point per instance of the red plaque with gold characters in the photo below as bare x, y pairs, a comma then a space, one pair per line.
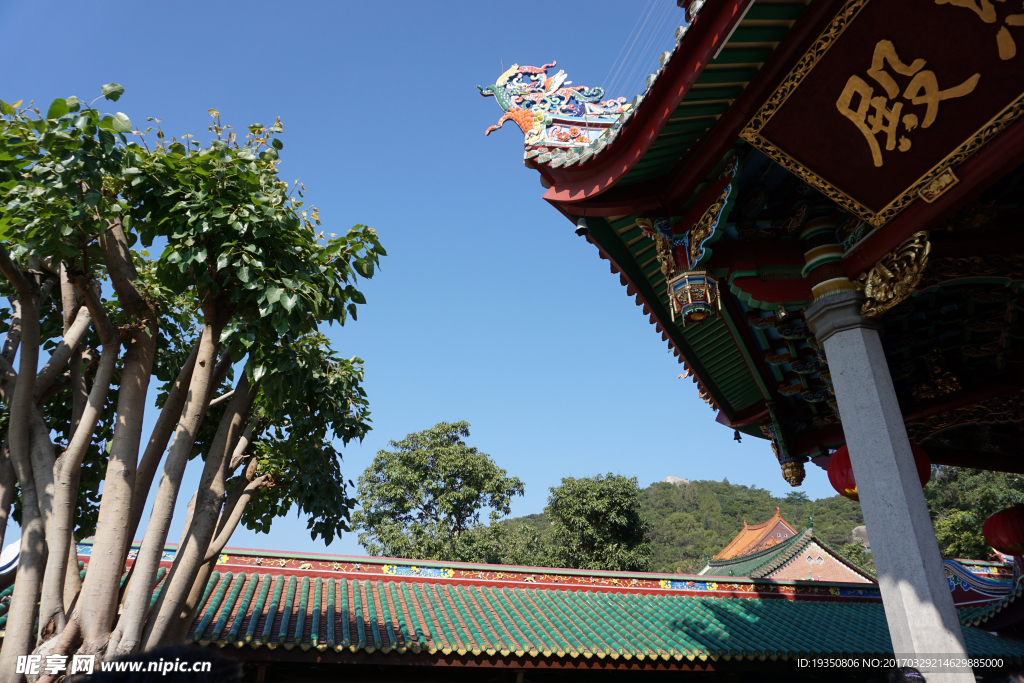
893, 96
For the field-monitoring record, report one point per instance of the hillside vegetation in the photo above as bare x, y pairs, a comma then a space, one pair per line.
691, 520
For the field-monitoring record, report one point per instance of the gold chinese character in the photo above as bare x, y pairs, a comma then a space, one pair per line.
986, 11
874, 114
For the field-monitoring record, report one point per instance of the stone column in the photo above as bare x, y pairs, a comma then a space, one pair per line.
918, 604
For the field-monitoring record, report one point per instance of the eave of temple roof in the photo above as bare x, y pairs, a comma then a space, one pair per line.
264, 601
722, 80
715, 351
751, 536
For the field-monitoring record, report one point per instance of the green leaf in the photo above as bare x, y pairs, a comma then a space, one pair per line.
112, 91
268, 154
289, 300
73, 103
274, 294
122, 124
6, 109
58, 108
277, 144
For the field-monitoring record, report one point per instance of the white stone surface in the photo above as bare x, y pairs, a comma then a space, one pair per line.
678, 481
918, 604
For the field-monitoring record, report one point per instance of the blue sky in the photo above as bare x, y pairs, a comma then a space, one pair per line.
488, 307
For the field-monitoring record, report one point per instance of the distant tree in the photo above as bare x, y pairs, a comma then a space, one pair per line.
503, 543
598, 525
960, 499
421, 498
855, 553
796, 497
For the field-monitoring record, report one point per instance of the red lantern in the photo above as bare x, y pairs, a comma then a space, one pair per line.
1004, 530
840, 471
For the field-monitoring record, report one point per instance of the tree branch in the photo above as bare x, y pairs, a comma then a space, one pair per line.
223, 397
62, 354
22, 285
163, 626
233, 514
13, 337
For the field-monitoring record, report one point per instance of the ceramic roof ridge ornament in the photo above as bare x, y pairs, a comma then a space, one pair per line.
550, 110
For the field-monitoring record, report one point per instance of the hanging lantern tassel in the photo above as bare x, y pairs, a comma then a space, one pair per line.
840, 471
1004, 530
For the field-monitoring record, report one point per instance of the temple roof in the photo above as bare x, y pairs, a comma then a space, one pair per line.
260, 601
753, 536
763, 562
685, 181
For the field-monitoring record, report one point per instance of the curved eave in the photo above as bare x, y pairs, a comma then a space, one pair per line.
595, 188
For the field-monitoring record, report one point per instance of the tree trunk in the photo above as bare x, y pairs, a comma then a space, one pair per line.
140, 591
158, 439
73, 577
233, 509
18, 635
99, 595
170, 608
7, 484
68, 471
62, 354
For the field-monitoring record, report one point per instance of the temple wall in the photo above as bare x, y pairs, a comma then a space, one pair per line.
816, 564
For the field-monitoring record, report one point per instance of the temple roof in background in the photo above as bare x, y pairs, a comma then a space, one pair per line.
267, 605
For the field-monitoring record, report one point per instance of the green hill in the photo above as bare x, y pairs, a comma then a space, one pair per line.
688, 521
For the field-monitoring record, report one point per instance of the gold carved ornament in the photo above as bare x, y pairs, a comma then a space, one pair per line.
940, 381
1000, 409
882, 120
662, 244
955, 267
703, 228
895, 276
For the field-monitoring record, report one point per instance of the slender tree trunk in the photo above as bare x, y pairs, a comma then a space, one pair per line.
68, 471
7, 484
18, 635
62, 354
170, 609
72, 578
137, 598
233, 510
158, 439
99, 595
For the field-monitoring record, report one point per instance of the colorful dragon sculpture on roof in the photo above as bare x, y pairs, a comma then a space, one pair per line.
549, 110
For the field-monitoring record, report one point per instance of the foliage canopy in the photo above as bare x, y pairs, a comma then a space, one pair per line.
244, 279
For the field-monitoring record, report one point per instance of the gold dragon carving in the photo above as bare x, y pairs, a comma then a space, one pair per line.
895, 276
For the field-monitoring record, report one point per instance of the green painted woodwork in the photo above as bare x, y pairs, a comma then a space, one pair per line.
749, 46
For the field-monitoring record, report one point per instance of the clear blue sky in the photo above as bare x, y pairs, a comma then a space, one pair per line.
488, 307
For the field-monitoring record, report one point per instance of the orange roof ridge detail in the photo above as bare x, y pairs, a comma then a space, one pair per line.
752, 536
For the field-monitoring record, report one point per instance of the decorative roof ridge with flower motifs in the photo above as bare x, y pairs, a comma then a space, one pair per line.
584, 143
